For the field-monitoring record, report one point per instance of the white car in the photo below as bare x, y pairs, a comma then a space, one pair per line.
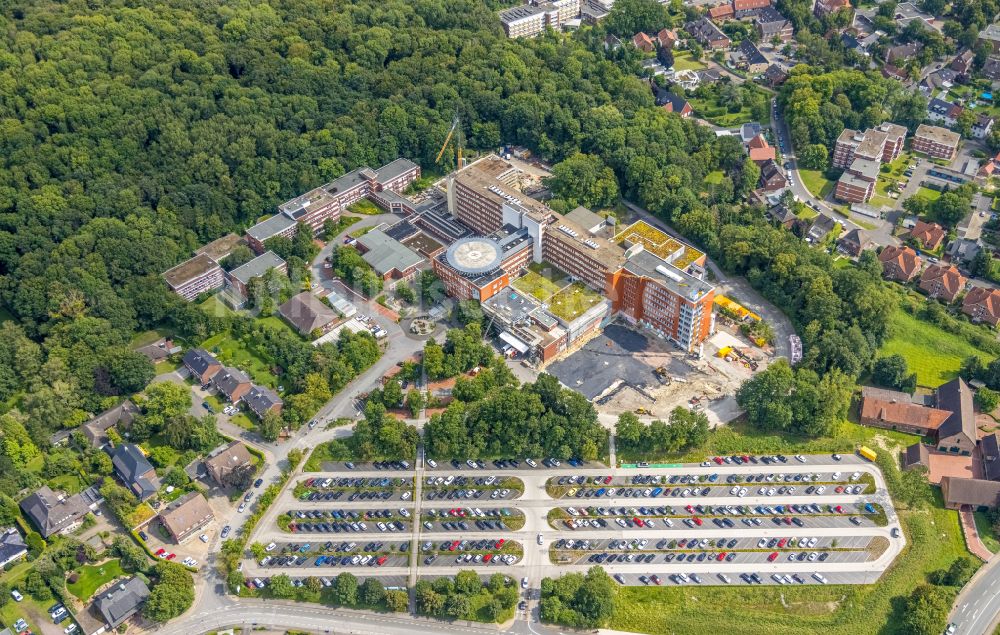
69, 630
270, 547
742, 492
16, 595
821, 489
432, 463
800, 458
203, 537
855, 476
524, 583
531, 462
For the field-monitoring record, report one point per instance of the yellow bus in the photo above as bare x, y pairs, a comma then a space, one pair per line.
868, 453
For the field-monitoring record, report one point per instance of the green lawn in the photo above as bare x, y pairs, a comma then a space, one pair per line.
69, 483
242, 421
714, 178
928, 193
214, 306
233, 353
94, 576
361, 231
815, 182
933, 353
276, 323
986, 534
166, 366
714, 112
34, 612
573, 301
148, 337
683, 62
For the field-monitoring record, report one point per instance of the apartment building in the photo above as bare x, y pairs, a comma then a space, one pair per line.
882, 144
744, 8
936, 142
771, 24
195, 276
277, 225
857, 183
240, 277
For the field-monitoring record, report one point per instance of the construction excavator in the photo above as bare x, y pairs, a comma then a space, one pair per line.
456, 132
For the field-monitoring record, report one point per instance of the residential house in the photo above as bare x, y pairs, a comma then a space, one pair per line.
775, 76
722, 12
957, 434
760, 150
121, 416
982, 126
894, 410
991, 69
201, 364
159, 350
262, 400
982, 305
55, 512
854, 242
12, 546
899, 263
941, 111
643, 42
771, 25
231, 458
928, 235
962, 64
898, 55
185, 516
120, 602
826, 7
747, 57
936, 142
942, 281
820, 228
745, 8
708, 76
750, 131
611, 43
666, 39
963, 250
772, 178
672, 102
892, 72
135, 470
780, 214
232, 383
707, 34
990, 35
308, 314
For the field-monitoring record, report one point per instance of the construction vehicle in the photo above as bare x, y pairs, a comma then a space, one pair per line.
642, 411
456, 132
661, 374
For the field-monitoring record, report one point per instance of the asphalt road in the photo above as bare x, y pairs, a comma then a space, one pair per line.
976, 610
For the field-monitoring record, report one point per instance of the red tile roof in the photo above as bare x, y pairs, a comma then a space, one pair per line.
899, 263
943, 281
983, 305
930, 235
667, 38
745, 5
721, 12
642, 41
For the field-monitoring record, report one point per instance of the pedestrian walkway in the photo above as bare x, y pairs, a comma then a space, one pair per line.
972, 540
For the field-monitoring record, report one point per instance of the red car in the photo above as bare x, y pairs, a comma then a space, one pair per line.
500, 543
656, 579
697, 521
721, 556
781, 543
487, 557
381, 561
607, 479
746, 459
772, 557
689, 509
838, 509
840, 489
638, 521
171, 556
453, 546
788, 520
718, 460
160, 552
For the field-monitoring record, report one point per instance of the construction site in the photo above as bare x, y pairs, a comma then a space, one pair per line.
622, 369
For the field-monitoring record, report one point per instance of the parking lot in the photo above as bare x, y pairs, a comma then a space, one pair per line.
774, 522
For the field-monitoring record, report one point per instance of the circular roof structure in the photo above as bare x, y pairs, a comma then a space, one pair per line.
474, 256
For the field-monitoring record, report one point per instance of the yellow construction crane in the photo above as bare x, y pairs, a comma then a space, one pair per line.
455, 127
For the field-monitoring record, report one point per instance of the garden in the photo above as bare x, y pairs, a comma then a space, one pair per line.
934, 353
91, 577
